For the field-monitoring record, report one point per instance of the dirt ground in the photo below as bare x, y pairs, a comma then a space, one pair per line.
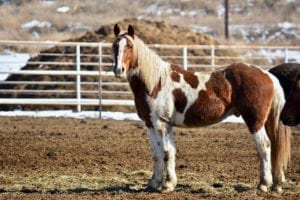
50, 158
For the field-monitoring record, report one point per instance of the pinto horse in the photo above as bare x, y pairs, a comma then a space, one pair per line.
288, 75
166, 95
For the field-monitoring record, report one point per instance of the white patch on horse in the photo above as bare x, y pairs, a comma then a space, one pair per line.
163, 106
190, 93
157, 156
264, 149
122, 45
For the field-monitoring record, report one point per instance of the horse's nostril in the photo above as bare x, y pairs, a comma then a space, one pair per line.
123, 69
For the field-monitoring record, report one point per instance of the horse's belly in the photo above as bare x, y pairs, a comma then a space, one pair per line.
204, 114
178, 119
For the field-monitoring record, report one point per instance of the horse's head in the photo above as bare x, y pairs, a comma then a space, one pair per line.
123, 51
290, 114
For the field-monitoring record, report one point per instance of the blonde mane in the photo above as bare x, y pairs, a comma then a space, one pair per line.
152, 68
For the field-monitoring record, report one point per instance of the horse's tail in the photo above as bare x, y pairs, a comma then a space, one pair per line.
279, 135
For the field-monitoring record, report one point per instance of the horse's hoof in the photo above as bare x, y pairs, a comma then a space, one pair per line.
150, 189
167, 190
169, 187
262, 188
154, 186
277, 188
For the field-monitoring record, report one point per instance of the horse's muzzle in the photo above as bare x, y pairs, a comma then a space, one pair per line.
118, 72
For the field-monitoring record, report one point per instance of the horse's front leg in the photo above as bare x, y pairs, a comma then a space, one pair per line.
163, 154
170, 156
156, 182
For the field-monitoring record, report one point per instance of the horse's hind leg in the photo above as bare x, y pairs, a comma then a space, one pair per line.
156, 181
264, 149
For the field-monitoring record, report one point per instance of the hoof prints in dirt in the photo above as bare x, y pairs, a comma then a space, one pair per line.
2, 190
241, 188
217, 185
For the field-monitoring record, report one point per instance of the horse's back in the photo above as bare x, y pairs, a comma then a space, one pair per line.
247, 76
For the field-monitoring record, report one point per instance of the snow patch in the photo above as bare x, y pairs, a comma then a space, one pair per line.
63, 9
286, 25
78, 26
36, 23
89, 114
11, 61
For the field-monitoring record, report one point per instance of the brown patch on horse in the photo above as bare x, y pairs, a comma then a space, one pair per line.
189, 77
211, 103
140, 91
129, 58
220, 86
180, 100
155, 90
175, 77
244, 78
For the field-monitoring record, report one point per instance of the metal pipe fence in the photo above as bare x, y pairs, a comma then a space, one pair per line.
79, 74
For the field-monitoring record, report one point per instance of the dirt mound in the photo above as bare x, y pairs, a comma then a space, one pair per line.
150, 32
158, 33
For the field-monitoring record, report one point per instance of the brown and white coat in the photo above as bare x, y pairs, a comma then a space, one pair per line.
165, 95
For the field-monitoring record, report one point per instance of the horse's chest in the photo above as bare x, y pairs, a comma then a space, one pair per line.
140, 99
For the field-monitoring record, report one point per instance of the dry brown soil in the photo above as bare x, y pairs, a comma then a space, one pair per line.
49, 158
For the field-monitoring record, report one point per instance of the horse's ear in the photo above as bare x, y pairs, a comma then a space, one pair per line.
117, 30
130, 31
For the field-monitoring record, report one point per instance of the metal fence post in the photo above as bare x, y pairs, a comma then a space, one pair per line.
185, 58
100, 80
212, 56
78, 78
286, 55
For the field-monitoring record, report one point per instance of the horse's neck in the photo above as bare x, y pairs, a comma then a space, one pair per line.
151, 68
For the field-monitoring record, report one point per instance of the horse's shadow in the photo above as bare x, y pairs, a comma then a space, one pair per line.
110, 189
119, 189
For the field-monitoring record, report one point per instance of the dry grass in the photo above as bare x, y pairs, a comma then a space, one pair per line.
93, 14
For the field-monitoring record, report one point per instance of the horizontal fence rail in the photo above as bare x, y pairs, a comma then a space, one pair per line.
78, 74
